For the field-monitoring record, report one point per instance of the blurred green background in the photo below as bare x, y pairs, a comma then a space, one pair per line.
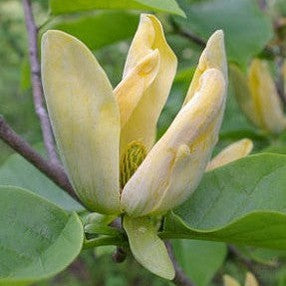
250, 31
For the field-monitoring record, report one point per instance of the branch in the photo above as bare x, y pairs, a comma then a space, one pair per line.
180, 277
248, 263
37, 83
54, 171
280, 79
262, 4
80, 270
119, 255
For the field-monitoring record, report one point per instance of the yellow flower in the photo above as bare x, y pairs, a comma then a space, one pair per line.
106, 137
100, 131
94, 126
250, 280
258, 97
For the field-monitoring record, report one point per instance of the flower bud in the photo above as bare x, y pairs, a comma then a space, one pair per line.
258, 97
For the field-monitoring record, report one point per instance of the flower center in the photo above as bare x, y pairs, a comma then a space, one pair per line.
131, 159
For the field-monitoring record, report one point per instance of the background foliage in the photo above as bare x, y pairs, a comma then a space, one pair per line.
107, 27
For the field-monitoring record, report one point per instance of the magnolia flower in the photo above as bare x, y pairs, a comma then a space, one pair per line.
258, 97
250, 280
100, 131
106, 137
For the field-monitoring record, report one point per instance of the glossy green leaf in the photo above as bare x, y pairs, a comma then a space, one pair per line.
67, 6
243, 202
16, 171
98, 29
241, 20
37, 238
200, 259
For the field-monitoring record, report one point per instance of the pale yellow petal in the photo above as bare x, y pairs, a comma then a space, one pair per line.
266, 101
132, 87
85, 119
147, 247
213, 56
229, 281
231, 153
174, 166
250, 280
150, 94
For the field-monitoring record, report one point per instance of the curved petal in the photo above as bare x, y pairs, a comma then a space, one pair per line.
213, 56
231, 153
147, 247
145, 92
85, 119
131, 89
173, 168
265, 98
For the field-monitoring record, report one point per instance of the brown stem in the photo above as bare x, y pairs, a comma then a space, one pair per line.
119, 255
280, 79
37, 83
54, 171
262, 4
180, 277
80, 270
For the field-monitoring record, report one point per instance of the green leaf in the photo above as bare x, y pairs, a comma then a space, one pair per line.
276, 149
16, 171
200, 259
67, 6
148, 249
241, 20
243, 202
99, 29
37, 238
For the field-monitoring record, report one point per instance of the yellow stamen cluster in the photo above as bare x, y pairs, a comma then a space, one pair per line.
131, 159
